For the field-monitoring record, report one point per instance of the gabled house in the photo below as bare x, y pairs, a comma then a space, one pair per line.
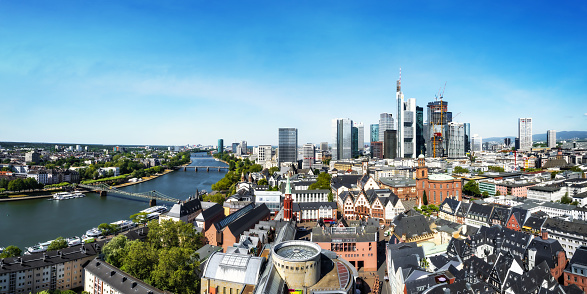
448, 209
478, 215
517, 218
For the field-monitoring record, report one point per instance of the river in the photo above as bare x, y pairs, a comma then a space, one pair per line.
28, 222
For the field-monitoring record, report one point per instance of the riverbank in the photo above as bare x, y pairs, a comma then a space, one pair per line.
24, 197
144, 179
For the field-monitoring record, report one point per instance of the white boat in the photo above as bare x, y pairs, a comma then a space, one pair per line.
93, 233
153, 215
36, 249
159, 209
123, 225
74, 241
1, 249
78, 194
46, 244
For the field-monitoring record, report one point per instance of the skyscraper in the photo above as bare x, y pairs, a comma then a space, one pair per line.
399, 96
551, 138
264, 153
525, 133
438, 117
455, 140
374, 133
390, 144
288, 145
220, 145
467, 138
323, 146
341, 138
309, 154
361, 135
354, 142
420, 141
234, 148
407, 129
385, 123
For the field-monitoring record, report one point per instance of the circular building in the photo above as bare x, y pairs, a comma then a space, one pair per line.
298, 262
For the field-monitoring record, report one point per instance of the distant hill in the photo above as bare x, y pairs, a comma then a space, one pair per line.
563, 135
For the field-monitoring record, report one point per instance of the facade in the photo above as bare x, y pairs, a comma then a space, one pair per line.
385, 124
53, 270
467, 137
390, 144
455, 140
314, 211
301, 196
357, 245
551, 138
220, 146
374, 133
32, 156
288, 145
264, 153
361, 135
270, 198
227, 231
309, 155
438, 118
377, 150
185, 211
420, 141
546, 193
354, 142
571, 235
102, 278
341, 138
437, 187
407, 129
525, 133
576, 271
234, 148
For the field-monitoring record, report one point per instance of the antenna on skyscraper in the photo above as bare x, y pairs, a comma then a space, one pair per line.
399, 82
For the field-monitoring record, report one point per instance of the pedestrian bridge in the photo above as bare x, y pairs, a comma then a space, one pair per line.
205, 168
104, 189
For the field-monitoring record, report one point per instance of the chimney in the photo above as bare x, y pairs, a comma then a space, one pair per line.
544, 235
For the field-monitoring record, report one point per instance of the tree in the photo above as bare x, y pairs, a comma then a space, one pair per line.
107, 229
273, 170
566, 199
16, 185
139, 218
316, 171
485, 194
471, 188
176, 271
494, 168
115, 250
262, 182
169, 233
57, 244
330, 196
10, 251
322, 183
140, 260
460, 170
497, 193
424, 199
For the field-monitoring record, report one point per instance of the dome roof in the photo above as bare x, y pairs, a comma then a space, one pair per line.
421, 155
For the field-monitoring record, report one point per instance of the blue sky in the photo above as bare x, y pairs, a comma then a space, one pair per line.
150, 72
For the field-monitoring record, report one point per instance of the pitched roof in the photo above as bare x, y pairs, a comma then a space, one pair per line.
535, 222
574, 227
248, 220
119, 280
546, 250
191, 205
411, 226
580, 256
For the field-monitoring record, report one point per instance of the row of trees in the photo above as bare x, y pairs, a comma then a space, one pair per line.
20, 184
236, 168
167, 259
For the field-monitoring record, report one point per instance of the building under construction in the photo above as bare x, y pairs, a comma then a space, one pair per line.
438, 119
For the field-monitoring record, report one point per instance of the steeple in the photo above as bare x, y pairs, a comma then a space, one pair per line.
287, 187
287, 202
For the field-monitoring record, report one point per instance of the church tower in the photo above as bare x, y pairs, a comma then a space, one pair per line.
421, 179
287, 202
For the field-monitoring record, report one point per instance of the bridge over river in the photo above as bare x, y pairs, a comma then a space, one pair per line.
153, 195
205, 168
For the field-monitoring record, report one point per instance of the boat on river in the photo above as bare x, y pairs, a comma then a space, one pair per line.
36, 249
74, 241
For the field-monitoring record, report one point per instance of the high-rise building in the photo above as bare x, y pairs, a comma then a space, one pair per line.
438, 118
507, 142
374, 133
525, 133
477, 143
264, 153
377, 149
309, 155
455, 140
467, 138
385, 123
420, 141
354, 142
399, 96
341, 138
361, 135
242, 148
323, 146
551, 138
288, 145
220, 145
407, 129
390, 144
234, 148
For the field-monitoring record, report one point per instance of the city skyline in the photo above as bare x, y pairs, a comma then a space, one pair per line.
139, 73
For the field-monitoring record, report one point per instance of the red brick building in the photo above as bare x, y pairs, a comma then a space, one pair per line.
437, 186
576, 272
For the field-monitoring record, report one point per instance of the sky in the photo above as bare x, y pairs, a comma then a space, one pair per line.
191, 72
